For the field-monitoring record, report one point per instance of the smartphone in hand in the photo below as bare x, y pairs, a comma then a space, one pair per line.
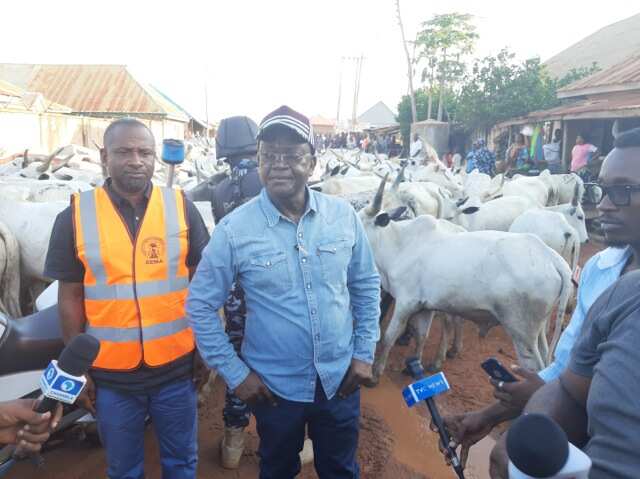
497, 371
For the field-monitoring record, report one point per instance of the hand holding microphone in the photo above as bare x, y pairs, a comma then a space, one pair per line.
61, 382
21, 425
426, 389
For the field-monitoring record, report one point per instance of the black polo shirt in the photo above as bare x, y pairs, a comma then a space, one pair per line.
62, 263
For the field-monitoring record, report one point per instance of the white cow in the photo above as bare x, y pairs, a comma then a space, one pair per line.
530, 187
561, 227
496, 215
9, 273
566, 185
337, 185
31, 223
421, 198
488, 277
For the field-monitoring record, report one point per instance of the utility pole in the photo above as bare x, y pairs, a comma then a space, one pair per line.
414, 114
339, 92
356, 90
206, 104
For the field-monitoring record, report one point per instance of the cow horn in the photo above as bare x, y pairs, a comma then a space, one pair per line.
45, 166
576, 193
25, 158
376, 204
399, 179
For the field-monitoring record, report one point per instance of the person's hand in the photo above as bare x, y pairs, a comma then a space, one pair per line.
252, 391
201, 372
87, 398
21, 425
499, 460
515, 395
358, 372
465, 430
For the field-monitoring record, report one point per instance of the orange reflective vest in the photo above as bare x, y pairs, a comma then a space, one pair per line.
134, 288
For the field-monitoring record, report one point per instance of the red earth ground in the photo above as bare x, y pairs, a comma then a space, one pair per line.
395, 442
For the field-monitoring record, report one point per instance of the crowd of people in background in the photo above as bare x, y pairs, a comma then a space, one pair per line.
525, 153
387, 144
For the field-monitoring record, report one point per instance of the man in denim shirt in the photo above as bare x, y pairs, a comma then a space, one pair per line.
312, 295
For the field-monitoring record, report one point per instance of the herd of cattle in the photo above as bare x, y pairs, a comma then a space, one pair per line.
489, 250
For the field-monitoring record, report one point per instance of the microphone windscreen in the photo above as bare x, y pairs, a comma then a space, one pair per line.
79, 355
537, 446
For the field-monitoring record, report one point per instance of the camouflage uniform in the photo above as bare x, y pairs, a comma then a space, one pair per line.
240, 186
235, 413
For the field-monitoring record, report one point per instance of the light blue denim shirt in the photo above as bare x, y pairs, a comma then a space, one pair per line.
312, 293
600, 272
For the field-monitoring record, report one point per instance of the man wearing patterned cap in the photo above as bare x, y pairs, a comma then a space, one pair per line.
312, 295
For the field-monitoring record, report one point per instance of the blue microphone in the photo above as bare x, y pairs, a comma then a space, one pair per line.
425, 389
64, 380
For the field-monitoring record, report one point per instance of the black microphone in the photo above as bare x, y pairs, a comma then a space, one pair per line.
538, 447
61, 381
417, 372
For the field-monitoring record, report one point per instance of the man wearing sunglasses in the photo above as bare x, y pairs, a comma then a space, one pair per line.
618, 200
312, 294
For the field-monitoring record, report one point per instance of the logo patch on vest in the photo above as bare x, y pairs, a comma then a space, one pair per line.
153, 249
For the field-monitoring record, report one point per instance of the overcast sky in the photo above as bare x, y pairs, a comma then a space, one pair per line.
256, 55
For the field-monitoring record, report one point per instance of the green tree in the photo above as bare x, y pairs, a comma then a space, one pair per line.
499, 88
444, 42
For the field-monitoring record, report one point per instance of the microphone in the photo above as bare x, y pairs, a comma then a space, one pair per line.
64, 380
539, 449
426, 389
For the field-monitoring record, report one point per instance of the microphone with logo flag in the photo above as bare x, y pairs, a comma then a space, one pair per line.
64, 380
425, 389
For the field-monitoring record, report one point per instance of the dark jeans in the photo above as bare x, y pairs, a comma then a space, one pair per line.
333, 427
121, 423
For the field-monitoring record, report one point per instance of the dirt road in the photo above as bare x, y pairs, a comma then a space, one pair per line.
395, 441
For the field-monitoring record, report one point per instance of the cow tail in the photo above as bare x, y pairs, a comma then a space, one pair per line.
566, 290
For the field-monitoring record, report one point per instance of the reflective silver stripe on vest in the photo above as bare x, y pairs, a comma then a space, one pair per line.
172, 230
90, 234
149, 333
103, 291
143, 289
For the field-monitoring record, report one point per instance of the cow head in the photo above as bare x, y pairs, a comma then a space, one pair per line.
384, 218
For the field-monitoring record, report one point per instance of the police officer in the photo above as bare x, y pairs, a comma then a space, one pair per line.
236, 142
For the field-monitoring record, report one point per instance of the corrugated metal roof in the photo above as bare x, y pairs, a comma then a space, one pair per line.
322, 121
610, 106
624, 76
14, 98
98, 89
9, 89
606, 47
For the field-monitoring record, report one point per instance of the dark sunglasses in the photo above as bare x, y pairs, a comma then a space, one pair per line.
619, 195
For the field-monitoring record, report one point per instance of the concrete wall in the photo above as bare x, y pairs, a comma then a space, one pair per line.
435, 133
43, 133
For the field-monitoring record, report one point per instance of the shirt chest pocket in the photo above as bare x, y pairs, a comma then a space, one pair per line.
269, 272
334, 261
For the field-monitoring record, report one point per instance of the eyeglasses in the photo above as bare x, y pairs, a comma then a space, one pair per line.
619, 195
290, 159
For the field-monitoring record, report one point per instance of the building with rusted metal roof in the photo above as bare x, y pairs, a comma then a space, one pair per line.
103, 91
598, 106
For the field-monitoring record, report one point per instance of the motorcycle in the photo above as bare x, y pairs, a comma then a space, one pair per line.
27, 346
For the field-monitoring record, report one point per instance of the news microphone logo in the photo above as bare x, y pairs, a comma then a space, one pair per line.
425, 388
59, 385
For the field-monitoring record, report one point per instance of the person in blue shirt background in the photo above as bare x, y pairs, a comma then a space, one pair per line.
312, 293
619, 206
